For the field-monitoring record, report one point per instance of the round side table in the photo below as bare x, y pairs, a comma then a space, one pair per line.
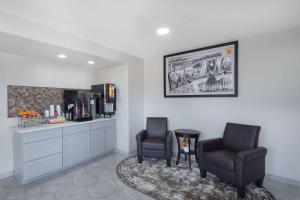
187, 134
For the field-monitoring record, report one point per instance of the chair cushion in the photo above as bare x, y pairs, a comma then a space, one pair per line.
222, 158
240, 137
157, 127
154, 144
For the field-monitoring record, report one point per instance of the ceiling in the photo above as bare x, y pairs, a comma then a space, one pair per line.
130, 25
35, 49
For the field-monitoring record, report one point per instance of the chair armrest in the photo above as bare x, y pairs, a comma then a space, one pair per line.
206, 146
210, 145
140, 137
169, 144
252, 154
169, 137
250, 165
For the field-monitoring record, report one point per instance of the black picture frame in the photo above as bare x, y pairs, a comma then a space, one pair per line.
233, 88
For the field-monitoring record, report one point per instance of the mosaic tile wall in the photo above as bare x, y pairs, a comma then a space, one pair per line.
35, 98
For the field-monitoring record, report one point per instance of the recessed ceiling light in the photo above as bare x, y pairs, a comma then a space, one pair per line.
62, 56
163, 31
91, 62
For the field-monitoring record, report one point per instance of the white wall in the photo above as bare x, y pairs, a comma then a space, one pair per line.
17, 70
136, 102
268, 96
119, 76
130, 101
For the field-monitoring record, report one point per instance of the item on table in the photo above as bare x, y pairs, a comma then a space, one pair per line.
185, 145
56, 120
28, 118
58, 110
30, 122
28, 114
47, 113
52, 111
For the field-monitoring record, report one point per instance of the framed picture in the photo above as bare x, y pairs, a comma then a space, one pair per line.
206, 72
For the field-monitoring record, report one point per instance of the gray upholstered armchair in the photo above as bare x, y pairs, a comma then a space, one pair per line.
156, 140
234, 158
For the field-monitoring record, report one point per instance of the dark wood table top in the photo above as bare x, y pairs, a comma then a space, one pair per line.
187, 131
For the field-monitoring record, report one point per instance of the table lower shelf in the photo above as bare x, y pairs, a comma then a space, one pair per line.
191, 152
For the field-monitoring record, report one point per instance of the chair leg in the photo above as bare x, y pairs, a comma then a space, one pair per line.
140, 159
178, 158
241, 192
190, 162
259, 182
196, 156
169, 162
203, 173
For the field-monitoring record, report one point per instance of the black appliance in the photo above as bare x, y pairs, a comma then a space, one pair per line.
75, 106
70, 100
105, 99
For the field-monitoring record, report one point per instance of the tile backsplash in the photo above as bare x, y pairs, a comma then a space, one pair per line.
36, 98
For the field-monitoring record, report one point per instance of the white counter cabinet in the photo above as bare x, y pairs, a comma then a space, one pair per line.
110, 138
76, 148
42, 151
97, 145
104, 138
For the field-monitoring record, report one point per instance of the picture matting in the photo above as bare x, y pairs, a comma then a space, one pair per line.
206, 72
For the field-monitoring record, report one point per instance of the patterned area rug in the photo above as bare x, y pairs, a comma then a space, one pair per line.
157, 180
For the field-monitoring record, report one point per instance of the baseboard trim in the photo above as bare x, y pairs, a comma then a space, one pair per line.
125, 153
132, 153
6, 174
280, 179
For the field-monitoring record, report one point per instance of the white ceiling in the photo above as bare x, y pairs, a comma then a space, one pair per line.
35, 49
130, 25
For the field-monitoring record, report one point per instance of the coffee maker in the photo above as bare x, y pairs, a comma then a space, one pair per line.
75, 106
105, 99
70, 100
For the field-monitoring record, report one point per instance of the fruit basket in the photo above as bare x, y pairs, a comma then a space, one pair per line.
30, 122
29, 118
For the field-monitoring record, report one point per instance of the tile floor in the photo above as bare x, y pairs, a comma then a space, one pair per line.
97, 180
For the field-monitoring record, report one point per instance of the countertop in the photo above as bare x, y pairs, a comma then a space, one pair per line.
21, 130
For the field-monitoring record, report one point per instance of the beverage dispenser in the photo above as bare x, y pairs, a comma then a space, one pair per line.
105, 98
76, 105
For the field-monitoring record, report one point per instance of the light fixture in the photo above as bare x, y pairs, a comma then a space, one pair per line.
163, 31
62, 56
91, 62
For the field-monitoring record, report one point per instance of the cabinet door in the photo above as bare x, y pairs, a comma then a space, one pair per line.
36, 150
76, 148
97, 142
110, 138
41, 167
